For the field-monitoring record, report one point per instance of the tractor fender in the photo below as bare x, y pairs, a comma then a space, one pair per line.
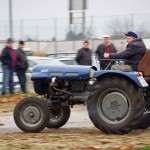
132, 76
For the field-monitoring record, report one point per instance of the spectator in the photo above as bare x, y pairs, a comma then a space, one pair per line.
134, 52
84, 55
8, 58
105, 47
21, 66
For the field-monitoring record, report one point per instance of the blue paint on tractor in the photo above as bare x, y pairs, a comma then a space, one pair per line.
76, 72
63, 72
129, 75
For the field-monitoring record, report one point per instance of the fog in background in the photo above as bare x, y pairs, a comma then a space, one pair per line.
48, 20
40, 9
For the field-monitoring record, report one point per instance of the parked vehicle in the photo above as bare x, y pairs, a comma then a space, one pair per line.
72, 61
35, 60
27, 51
68, 58
116, 102
61, 54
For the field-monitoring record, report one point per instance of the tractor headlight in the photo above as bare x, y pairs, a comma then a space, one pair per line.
91, 74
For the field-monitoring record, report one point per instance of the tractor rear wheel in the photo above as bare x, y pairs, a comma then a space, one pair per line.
115, 105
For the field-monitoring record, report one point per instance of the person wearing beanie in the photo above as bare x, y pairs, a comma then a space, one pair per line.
8, 59
133, 54
21, 66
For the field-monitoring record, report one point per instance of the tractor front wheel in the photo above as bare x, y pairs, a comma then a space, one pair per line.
59, 116
31, 114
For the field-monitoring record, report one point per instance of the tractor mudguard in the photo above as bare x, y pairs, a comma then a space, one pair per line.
138, 80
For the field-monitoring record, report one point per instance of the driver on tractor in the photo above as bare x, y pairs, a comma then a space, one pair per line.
133, 54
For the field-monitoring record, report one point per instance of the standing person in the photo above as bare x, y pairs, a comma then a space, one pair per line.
134, 52
105, 47
8, 58
84, 55
21, 66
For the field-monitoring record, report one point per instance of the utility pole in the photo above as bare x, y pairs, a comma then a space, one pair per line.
77, 15
10, 20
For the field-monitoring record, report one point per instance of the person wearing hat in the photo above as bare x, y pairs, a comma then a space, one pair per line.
133, 54
21, 66
105, 47
8, 59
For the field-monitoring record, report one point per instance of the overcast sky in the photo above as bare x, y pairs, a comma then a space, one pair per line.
38, 9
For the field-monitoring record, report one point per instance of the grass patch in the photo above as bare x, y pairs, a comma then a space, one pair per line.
144, 148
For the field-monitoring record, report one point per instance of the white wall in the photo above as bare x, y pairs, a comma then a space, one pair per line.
50, 47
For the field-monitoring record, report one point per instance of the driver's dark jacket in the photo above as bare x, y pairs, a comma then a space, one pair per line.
133, 54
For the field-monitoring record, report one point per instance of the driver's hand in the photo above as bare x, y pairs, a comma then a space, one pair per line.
106, 55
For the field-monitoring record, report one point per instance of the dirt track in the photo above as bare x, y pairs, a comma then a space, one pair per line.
79, 118
78, 134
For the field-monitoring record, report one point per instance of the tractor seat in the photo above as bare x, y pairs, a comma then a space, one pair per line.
144, 65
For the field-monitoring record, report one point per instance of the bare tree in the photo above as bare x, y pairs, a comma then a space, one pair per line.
143, 31
118, 27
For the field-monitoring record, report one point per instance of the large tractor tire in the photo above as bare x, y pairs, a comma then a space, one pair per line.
115, 105
58, 116
31, 114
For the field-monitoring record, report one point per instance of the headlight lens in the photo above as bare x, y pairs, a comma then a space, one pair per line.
91, 74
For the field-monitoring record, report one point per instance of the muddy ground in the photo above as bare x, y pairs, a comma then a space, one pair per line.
78, 134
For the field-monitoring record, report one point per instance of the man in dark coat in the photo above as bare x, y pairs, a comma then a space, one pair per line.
21, 66
133, 54
8, 59
105, 47
84, 55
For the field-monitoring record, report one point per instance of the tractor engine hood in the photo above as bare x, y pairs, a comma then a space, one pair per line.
62, 72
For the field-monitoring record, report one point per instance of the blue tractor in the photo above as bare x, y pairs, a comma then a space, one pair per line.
117, 101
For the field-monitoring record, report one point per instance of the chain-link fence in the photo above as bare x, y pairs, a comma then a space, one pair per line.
59, 29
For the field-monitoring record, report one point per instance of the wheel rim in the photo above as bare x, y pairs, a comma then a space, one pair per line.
113, 107
31, 115
56, 114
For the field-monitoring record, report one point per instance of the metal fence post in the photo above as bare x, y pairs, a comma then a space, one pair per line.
132, 22
92, 24
6, 29
10, 19
21, 29
55, 35
37, 37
